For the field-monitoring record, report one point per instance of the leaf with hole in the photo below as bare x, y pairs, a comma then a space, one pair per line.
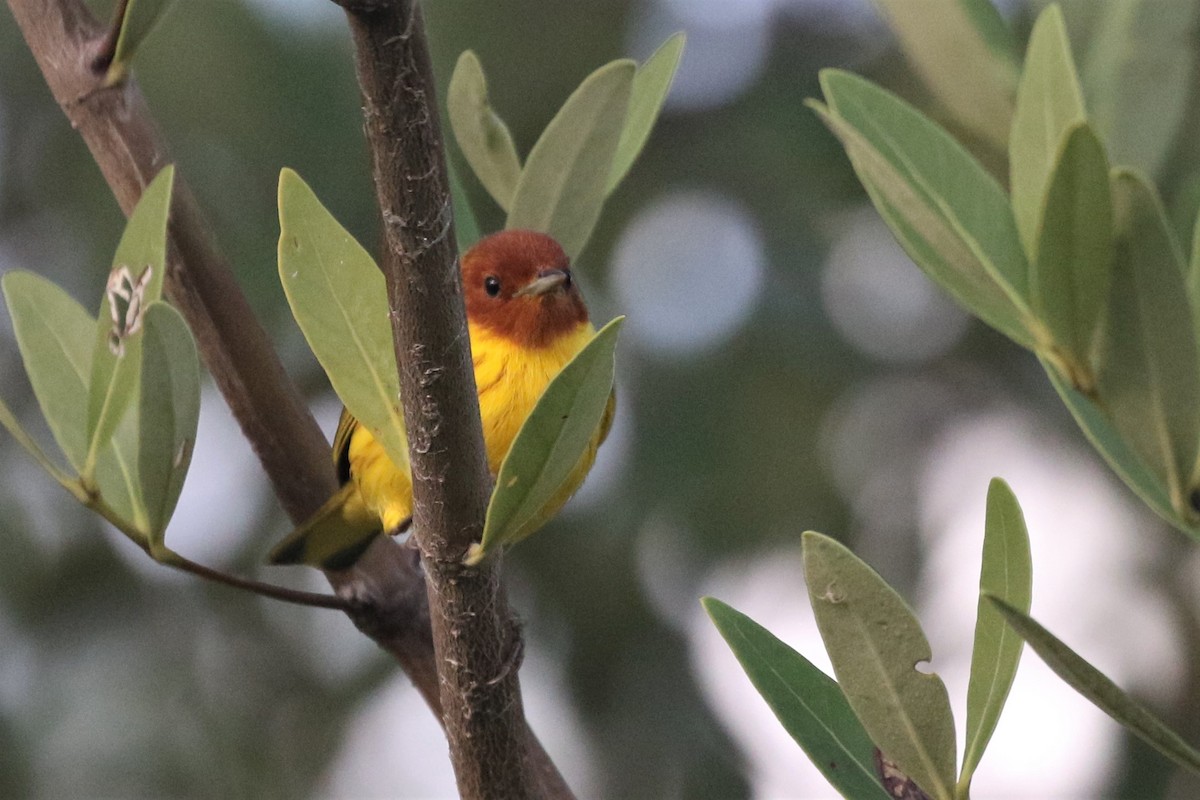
565, 179
807, 702
339, 300
548, 447
876, 644
136, 281
482, 136
649, 91
1007, 572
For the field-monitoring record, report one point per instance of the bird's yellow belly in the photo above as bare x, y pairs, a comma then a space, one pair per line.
509, 380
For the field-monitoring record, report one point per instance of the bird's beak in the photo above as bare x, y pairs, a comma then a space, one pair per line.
547, 281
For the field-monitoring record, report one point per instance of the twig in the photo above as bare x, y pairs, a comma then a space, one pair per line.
313, 599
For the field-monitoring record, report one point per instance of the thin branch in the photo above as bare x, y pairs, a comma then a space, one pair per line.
295, 596
475, 636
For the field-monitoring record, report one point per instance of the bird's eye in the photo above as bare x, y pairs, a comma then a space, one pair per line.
491, 285
567, 282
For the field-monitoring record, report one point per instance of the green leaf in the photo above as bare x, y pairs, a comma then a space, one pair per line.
1193, 276
1073, 259
1137, 77
563, 184
466, 228
1102, 692
339, 300
951, 217
135, 281
9, 422
139, 18
169, 412
1108, 442
1049, 103
54, 334
649, 91
965, 54
807, 702
550, 443
1007, 572
1149, 376
875, 644
481, 135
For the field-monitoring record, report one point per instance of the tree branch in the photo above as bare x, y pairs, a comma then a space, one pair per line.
476, 639
386, 588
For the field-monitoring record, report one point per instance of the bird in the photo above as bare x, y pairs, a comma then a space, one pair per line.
526, 319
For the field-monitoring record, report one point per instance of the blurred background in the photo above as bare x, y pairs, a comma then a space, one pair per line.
785, 367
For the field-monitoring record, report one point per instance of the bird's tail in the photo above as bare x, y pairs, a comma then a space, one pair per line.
332, 538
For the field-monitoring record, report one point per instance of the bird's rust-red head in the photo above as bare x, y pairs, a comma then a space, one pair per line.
518, 284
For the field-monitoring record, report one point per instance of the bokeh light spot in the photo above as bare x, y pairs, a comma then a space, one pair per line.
688, 272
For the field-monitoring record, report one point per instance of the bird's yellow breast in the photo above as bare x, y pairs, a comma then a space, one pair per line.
510, 379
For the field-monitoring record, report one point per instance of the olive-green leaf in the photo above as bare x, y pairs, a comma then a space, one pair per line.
1098, 689
1193, 277
649, 91
563, 185
1007, 572
550, 443
339, 300
1149, 373
1049, 103
1121, 459
481, 135
1137, 76
135, 281
8, 421
966, 55
951, 217
169, 410
875, 644
466, 228
138, 19
807, 702
1073, 259
54, 334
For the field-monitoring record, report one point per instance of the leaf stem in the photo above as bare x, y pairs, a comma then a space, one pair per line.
295, 596
170, 558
